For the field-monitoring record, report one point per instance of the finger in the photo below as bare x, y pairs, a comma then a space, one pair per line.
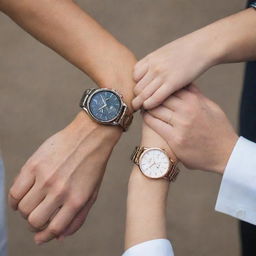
163, 114
59, 223
146, 93
140, 70
79, 220
147, 78
181, 94
160, 127
21, 186
76, 223
30, 201
36, 230
44, 211
187, 91
158, 97
173, 103
193, 88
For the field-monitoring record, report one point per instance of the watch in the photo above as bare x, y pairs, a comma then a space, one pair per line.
106, 106
155, 163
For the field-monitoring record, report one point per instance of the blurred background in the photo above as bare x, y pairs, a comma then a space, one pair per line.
39, 95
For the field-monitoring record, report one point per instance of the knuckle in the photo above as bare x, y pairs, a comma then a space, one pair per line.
186, 123
192, 97
59, 192
77, 202
31, 166
156, 69
24, 212
188, 108
137, 65
13, 193
136, 90
136, 68
48, 181
179, 139
142, 96
55, 230
156, 100
34, 222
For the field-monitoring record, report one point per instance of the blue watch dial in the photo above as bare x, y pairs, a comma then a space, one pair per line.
105, 106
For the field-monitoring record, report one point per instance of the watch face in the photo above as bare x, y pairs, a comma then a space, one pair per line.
105, 105
154, 163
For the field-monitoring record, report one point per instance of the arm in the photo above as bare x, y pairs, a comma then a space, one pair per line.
68, 30
54, 204
180, 62
146, 208
201, 136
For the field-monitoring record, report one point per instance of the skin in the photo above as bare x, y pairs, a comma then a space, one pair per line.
146, 201
56, 205
180, 62
191, 125
195, 128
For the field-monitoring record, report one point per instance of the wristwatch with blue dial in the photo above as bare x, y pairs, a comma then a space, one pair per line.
106, 106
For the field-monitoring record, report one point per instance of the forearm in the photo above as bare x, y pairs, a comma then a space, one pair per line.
69, 31
146, 209
231, 39
146, 202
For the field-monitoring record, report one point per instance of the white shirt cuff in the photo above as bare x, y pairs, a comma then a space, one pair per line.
157, 247
237, 195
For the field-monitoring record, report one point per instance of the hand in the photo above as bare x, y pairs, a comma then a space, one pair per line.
170, 68
60, 182
180, 62
195, 128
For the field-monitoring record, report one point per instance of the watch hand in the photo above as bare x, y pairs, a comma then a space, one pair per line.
151, 165
104, 102
102, 107
109, 97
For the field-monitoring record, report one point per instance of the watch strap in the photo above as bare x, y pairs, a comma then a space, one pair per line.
85, 97
125, 119
136, 154
173, 172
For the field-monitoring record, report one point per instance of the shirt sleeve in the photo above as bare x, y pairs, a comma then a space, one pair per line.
157, 247
237, 195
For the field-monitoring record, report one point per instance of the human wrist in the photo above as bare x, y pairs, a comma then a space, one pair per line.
210, 54
82, 125
224, 153
147, 191
118, 74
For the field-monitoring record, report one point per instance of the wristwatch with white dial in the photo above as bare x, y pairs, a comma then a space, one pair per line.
106, 106
155, 163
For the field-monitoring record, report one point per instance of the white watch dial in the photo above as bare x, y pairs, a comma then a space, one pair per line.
154, 163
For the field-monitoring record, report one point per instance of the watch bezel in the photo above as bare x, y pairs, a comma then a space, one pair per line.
102, 90
146, 150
